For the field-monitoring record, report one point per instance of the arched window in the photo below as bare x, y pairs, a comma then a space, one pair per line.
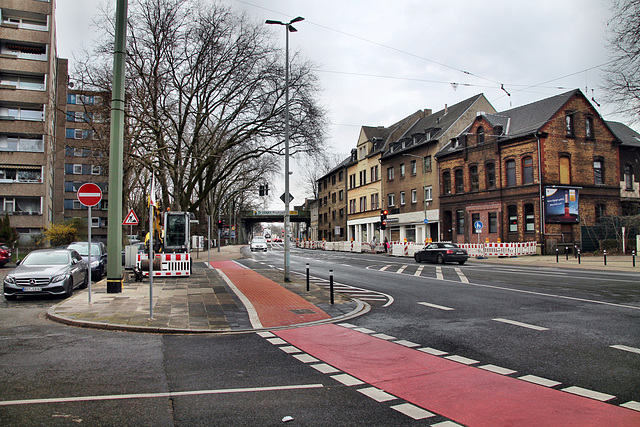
490, 171
527, 170
446, 182
459, 177
565, 170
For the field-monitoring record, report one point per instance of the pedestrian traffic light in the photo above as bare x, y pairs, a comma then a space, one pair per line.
220, 224
383, 225
383, 219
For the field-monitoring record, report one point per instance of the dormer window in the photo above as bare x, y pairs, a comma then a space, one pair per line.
455, 143
480, 135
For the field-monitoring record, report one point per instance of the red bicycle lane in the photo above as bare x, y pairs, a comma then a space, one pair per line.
462, 393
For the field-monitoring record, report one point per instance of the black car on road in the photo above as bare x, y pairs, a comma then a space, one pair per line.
98, 262
441, 252
47, 272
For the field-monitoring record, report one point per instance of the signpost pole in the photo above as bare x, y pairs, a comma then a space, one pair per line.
89, 249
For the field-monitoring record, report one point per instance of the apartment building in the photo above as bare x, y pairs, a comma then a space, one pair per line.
331, 206
28, 82
533, 173
82, 152
410, 173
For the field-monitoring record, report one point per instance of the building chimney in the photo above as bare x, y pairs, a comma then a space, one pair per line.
427, 112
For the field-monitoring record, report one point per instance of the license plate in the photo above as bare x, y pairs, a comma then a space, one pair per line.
32, 289
459, 252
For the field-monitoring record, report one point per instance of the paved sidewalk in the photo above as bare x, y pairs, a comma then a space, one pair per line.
224, 298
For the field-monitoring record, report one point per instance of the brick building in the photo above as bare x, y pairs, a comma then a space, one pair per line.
410, 173
332, 196
629, 168
532, 173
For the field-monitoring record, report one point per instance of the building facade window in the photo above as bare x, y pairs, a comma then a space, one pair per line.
588, 125
375, 203
414, 196
460, 222
527, 170
391, 200
402, 170
493, 222
480, 135
529, 219
601, 212
473, 178
390, 174
512, 211
569, 124
403, 200
414, 168
628, 177
363, 204
428, 193
459, 181
446, 182
427, 164
510, 166
490, 175
598, 172
565, 170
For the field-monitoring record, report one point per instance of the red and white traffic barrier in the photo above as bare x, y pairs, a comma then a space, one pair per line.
172, 264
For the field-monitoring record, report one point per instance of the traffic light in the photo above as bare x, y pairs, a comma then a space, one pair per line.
383, 219
220, 224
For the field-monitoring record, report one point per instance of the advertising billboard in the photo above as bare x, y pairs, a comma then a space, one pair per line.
561, 205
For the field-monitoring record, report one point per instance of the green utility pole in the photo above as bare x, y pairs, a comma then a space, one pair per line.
114, 230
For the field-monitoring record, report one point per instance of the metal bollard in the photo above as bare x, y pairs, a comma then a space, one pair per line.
605, 257
557, 255
307, 277
331, 285
566, 252
633, 257
578, 256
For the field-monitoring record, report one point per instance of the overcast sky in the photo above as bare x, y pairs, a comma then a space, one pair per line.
381, 60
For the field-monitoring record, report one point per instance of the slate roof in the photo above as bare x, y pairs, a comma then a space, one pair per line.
436, 124
627, 136
521, 121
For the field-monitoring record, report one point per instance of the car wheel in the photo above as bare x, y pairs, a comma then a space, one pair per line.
10, 297
69, 292
85, 282
461, 262
417, 258
440, 259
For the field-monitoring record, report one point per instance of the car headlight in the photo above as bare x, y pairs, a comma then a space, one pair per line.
95, 264
59, 278
10, 279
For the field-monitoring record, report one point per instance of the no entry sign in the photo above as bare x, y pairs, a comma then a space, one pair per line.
89, 194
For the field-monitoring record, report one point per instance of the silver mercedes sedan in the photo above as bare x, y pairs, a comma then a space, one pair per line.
47, 272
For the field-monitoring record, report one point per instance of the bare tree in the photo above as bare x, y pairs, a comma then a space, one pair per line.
622, 79
315, 166
205, 97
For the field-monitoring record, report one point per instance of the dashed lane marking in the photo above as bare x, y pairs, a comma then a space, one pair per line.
497, 369
413, 411
461, 275
377, 394
439, 275
626, 348
439, 307
539, 380
419, 271
523, 325
347, 379
401, 269
603, 397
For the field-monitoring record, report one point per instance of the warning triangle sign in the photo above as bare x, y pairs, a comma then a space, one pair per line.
131, 219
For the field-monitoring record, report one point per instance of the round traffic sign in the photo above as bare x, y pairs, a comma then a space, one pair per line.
478, 225
89, 194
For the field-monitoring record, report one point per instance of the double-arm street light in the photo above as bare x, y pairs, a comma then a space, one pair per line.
287, 243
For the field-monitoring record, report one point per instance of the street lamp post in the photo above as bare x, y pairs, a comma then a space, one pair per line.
287, 243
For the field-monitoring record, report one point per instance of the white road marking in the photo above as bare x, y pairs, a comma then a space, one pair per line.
276, 341
289, 349
632, 404
385, 267
347, 325
439, 307
305, 358
407, 343
155, 395
384, 336
419, 271
266, 334
446, 424
377, 394
588, 393
413, 411
364, 330
463, 360
497, 369
401, 269
433, 351
347, 379
625, 348
439, 273
539, 380
523, 325
461, 275
324, 368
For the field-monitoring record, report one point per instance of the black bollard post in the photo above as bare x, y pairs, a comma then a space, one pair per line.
566, 252
557, 255
605, 257
307, 277
331, 285
578, 256
633, 257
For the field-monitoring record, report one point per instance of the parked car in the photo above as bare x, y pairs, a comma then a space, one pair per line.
5, 254
98, 261
258, 243
47, 272
440, 253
